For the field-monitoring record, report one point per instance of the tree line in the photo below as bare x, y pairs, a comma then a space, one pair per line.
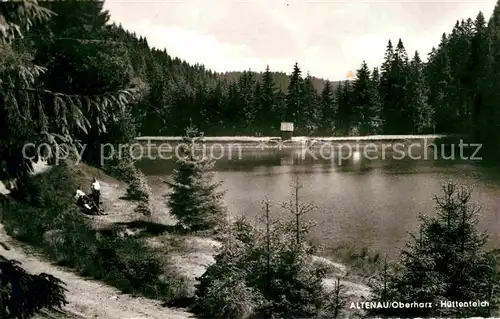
453, 92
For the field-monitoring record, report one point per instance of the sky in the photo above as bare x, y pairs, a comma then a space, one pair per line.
328, 38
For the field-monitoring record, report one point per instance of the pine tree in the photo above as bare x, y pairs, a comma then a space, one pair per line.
386, 83
63, 117
22, 295
440, 79
269, 270
422, 113
328, 109
446, 261
194, 199
293, 97
362, 99
491, 111
309, 105
402, 120
344, 112
478, 69
376, 120
246, 91
269, 112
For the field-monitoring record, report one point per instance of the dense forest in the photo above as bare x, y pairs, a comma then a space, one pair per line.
80, 54
453, 92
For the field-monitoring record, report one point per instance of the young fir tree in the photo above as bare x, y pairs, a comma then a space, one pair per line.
446, 261
195, 200
268, 272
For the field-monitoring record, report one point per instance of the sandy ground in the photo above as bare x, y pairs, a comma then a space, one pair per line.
294, 138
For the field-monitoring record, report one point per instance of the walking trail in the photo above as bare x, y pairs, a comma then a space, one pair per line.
89, 298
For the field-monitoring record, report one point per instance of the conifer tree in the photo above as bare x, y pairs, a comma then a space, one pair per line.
309, 104
376, 124
446, 261
23, 295
401, 122
293, 97
195, 199
386, 83
269, 113
440, 79
422, 114
328, 109
247, 96
362, 99
344, 114
269, 272
478, 68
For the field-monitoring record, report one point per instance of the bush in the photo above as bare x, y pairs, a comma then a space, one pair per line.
269, 274
23, 295
138, 188
48, 210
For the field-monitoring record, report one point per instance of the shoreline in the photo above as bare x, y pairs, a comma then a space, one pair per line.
298, 142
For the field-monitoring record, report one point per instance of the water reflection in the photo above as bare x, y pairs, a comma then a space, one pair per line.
369, 200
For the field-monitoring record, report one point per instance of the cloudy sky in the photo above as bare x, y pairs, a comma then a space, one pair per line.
327, 38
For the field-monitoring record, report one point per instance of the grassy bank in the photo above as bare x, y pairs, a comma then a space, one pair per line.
45, 216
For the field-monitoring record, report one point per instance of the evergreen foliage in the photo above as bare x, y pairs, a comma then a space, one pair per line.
446, 261
269, 271
195, 199
22, 295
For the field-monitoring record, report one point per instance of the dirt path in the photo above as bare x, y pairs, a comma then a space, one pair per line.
89, 298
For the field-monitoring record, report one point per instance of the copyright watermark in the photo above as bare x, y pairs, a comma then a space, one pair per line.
216, 151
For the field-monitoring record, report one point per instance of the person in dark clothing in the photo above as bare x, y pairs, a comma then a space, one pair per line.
96, 192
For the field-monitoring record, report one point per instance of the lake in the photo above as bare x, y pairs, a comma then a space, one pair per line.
367, 201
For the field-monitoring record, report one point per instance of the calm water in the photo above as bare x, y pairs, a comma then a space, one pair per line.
367, 202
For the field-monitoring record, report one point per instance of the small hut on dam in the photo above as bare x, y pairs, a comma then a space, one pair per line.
286, 130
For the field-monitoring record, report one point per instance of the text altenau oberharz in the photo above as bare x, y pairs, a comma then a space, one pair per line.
409, 305
389, 304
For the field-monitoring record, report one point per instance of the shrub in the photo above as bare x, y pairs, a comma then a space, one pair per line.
223, 291
138, 188
270, 272
23, 295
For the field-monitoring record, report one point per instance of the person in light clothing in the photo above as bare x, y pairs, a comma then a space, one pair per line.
79, 196
96, 192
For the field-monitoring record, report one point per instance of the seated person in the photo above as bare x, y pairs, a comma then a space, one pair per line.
80, 196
